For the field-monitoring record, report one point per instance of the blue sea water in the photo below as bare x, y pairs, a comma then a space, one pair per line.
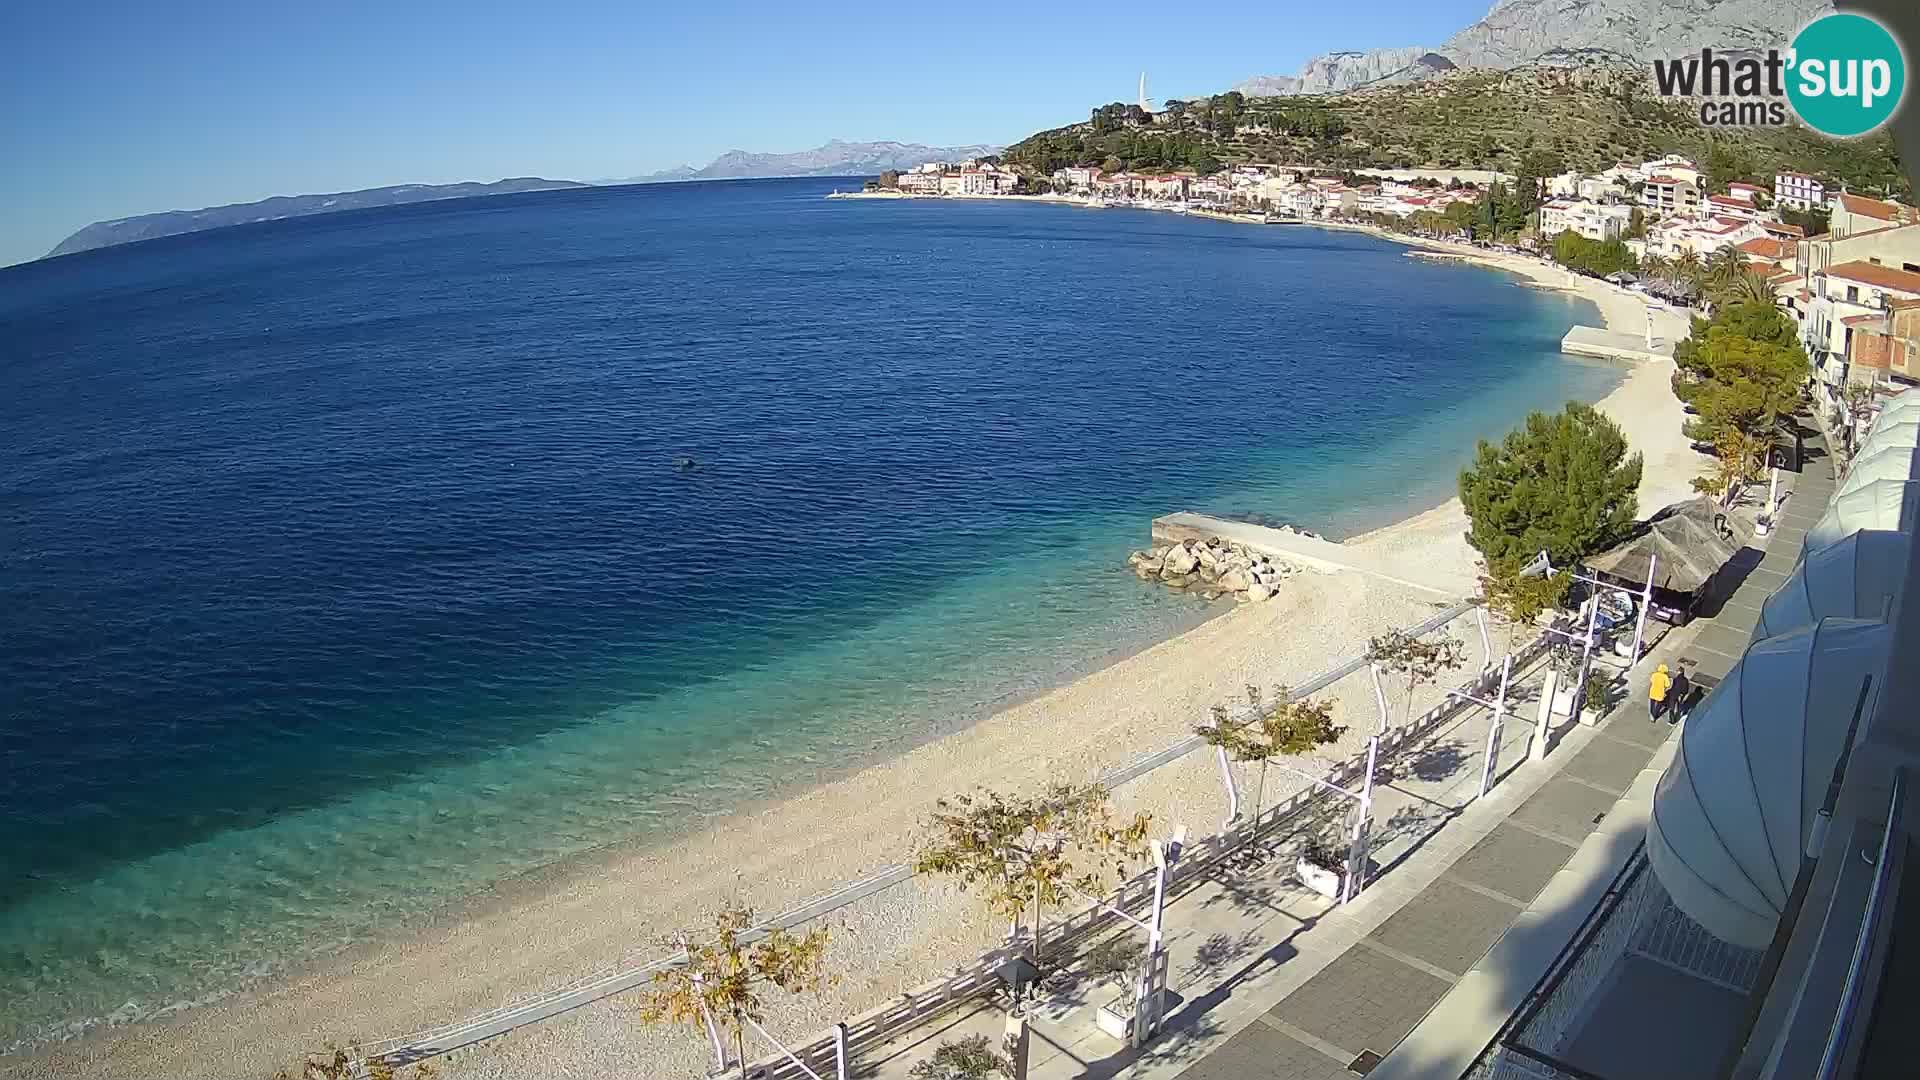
348, 566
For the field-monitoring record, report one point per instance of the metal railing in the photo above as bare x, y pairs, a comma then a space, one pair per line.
626, 974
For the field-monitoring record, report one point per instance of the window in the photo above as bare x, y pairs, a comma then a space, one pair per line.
1853, 294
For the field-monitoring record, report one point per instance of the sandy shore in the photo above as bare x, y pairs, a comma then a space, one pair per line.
542, 934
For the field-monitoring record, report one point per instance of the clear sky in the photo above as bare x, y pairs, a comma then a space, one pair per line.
109, 109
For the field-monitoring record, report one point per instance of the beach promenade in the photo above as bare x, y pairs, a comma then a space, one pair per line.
1473, 900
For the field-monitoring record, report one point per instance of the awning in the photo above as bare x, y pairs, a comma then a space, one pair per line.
1855, 577
1899, 405
1883, 504
1880, 461
1692, 540
1899, 430
1732, 813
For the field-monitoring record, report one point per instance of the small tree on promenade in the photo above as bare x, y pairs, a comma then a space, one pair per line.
725, 976
970, 1058
1563, 484
345, 1063
1419, 660
1033, 851
1736, 462
1516, 601
1282, 728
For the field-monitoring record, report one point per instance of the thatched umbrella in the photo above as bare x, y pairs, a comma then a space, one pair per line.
1692, 541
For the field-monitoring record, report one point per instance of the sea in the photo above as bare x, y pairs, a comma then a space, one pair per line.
351, 565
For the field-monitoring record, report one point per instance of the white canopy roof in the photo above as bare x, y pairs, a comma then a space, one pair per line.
1902, 430
1898, 406
1851, 578
1732, 813
1882, 504
1880, 462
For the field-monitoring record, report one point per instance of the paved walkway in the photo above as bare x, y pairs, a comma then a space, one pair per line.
1355, 978
1275, 983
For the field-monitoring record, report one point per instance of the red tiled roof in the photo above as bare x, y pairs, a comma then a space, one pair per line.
1876, 208
1766, 247
1782, 227
1884, 277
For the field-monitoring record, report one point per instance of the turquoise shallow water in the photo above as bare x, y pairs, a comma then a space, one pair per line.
348, 569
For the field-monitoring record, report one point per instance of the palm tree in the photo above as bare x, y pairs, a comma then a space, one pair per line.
1687, 269
1725, 265
1654, 268
1751, 287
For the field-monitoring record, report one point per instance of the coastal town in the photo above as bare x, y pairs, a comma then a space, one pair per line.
1844, 266
393, 713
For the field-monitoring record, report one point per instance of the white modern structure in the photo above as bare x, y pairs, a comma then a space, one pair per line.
1881, 460
1883, 504
1855, 577
1736, 813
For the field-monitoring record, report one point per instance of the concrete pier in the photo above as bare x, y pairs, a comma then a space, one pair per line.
1612, 344
1300, 550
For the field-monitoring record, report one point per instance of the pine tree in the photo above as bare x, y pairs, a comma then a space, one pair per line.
1563, 484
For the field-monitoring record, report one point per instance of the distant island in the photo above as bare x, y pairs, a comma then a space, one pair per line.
175, 222
834, 158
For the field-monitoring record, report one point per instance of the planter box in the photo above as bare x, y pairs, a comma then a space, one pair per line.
1115, 1017
1327, 883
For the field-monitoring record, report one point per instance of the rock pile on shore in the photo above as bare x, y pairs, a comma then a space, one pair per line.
1212, 567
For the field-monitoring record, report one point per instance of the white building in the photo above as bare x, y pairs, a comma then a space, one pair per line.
1672, 165
1591, 220
1076, 177
1669, 195
1732, 206
1842, 297
1798, 190
1675, 237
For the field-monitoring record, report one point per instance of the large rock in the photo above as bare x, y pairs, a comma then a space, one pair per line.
1177, 581
1234, 579
1181, 559
1258, 593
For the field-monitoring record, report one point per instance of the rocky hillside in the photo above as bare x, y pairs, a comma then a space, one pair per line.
1516, 33
1333, 73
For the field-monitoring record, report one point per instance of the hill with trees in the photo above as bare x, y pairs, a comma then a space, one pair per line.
1581, 118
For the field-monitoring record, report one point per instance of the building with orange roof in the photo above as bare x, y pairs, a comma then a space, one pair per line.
1847, 299
1852, 214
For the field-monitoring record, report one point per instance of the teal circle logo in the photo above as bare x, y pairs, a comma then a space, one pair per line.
1846, 75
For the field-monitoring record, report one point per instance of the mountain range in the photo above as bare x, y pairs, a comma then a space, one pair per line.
174, 222
1518, 33
835, 158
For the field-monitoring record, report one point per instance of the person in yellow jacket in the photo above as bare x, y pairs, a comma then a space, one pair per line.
1657, 692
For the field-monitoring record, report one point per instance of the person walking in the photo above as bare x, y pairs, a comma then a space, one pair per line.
1657, 690
1678, 694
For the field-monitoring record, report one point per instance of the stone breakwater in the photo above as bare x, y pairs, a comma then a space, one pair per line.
1212, 567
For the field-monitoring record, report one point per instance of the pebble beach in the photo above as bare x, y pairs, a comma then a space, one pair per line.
585, 915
